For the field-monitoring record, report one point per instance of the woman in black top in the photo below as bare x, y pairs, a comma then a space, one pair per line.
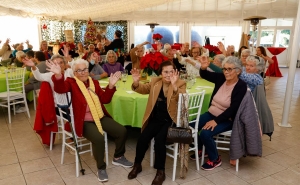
226, 98
117, 45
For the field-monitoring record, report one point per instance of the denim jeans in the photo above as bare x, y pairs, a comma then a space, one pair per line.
206, 136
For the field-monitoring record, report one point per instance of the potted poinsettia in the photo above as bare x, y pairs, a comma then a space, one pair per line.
151, 61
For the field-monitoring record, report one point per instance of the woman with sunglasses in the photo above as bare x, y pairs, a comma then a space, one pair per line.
251, 73
226, 99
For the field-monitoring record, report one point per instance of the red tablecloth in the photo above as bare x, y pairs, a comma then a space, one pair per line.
273, 69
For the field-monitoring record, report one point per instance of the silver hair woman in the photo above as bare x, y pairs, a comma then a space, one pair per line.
226, 98
251, 74
245, 53
112, 65
218, 60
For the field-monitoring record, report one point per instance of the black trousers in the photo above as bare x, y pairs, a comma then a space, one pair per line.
158, 130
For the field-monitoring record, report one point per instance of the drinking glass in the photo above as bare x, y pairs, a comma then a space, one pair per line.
124, 77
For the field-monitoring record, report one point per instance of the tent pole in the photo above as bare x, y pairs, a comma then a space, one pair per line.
291, 73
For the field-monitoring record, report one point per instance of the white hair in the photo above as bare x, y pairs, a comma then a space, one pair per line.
20, 54
111, 52
80, 61
259, 62
246, 51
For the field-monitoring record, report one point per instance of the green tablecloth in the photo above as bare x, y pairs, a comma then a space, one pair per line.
3, 87
129, 109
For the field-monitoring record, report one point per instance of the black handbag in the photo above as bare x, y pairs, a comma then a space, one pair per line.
181, 134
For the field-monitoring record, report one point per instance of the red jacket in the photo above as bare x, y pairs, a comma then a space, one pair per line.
45, 117
78, 100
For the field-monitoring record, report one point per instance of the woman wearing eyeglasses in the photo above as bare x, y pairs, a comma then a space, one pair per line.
226, 98
251, 73
160, 112
90, 116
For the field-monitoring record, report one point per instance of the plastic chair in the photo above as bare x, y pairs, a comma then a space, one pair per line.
222, 138
15, 93
68, 137
195, 101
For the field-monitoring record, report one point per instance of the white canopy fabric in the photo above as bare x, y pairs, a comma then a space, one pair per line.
152, 10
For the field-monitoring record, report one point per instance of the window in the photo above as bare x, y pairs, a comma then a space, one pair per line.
143, 33
282, 38
229, 35
266, 38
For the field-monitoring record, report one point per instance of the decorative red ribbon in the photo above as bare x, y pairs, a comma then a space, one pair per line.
273, 69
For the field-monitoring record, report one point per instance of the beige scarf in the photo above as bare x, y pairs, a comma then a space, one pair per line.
93, 102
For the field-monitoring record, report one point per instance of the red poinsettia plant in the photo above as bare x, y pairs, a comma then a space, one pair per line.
213, 50
151, 61
157, 36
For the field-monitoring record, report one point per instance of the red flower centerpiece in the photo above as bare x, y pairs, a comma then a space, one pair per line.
213, 50
157, 36
151, 61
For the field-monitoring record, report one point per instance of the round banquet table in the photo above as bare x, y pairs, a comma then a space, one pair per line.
128, 107
3, 87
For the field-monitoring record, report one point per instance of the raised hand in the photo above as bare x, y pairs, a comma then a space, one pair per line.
53, 67
221, 46
204, 61
28, 62
174, 77
65, 51
135, 73
27, 42
7, 41
113, 79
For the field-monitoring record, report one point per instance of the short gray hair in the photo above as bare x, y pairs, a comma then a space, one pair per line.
111, 52
246, 51
58, 56
260, 63
80, 61
220, 57
233, 60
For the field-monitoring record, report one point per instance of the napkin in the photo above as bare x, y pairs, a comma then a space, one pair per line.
204, 87
130, 92
103, 82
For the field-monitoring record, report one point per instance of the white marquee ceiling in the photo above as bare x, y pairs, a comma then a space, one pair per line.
149, 10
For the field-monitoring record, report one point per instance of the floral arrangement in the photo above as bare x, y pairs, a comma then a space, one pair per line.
151, 61
213, 50
71, 44
157, 36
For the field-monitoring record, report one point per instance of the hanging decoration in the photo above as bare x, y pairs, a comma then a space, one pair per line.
90, 35
44, 26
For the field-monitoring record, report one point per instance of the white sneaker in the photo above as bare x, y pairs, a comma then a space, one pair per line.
21, 109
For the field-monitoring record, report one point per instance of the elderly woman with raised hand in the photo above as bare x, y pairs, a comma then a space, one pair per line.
58, 59
5, 51
95, 70
226, 98
20, 47
112, 65
136, 54
90, 116
254, 65
160, 112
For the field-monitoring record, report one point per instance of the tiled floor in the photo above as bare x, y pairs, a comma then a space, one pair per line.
24, 160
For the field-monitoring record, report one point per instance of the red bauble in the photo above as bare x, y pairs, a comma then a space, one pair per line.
44, 26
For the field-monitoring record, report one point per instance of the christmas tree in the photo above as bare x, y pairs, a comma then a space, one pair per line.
91, 33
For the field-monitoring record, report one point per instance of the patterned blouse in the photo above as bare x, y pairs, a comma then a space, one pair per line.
252, 79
